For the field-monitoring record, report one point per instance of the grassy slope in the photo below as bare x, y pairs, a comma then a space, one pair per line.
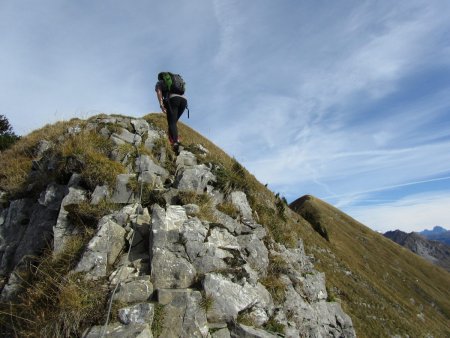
388, 286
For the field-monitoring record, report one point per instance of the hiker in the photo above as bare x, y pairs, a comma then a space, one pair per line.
170, 92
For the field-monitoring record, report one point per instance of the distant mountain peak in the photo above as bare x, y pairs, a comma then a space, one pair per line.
436, 230
437, 234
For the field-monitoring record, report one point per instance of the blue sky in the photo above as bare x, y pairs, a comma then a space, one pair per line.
348, 101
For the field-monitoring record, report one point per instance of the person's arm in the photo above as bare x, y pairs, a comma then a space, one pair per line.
160, 98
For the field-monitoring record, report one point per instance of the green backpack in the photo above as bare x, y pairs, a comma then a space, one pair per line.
174, 83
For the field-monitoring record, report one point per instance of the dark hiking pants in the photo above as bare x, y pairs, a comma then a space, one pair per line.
175, 108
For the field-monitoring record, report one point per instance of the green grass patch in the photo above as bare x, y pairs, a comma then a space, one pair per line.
158, 320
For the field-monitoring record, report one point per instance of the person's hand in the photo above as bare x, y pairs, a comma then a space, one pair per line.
163, 109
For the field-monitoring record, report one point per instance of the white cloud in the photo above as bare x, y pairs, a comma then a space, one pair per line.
412, 213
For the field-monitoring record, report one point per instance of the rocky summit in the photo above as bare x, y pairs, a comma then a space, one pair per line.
105, 232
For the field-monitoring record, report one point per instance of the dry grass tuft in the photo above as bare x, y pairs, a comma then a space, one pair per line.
207, 302
88, 153
86, 215
228, 208
55, 304
276, 287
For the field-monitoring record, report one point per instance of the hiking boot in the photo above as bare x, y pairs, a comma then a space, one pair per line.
176, 148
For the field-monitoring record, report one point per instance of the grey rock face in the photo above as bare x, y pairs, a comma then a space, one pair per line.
183, 315
221, 333
186, 159
195, 178
314, 287
63, 227
102, 250
191, 209
100, 193
150, 172
42, 147
333, 321
122, 193
152, 137
170, 267
117, 330
319, 319
25, 231
141, 313
145, 163
38, 233
125, 136
243, 331
170, 271
255, 252
239, 200
135, 291
51, 198
12, 229
140, 126
231, 298
206, 256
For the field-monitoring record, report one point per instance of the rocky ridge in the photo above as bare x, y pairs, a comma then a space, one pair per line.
174, 270
438, 233
435, 252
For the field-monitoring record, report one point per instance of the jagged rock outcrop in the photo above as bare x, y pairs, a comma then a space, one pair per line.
173, 270
436, 252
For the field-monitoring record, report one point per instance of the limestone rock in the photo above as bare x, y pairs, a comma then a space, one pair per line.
141, 313
333, 321
122, 193
150, 172
52, 197
117, 330
140, 126
186, 159
244, 331
152, 137
42, 147
134, 291
145, 163
239, 200
231, 298
170, 271
183, 315
319, 319
221, 333
102, 250
63, 227
100, 193
191, 209
314, 286
12, 229
195, 178
125, 136
221, 238
255, 252
170, 267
